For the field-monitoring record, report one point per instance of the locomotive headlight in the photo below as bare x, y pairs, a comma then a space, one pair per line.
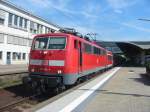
59, 71
32, 70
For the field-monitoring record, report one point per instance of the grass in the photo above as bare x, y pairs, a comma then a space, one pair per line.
9, 83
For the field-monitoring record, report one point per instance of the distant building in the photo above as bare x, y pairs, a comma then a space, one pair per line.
136, 51
111, 46
17, 28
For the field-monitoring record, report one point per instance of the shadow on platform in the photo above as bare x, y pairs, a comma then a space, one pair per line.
117, 93
144, 78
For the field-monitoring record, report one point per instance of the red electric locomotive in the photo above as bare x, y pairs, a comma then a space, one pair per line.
60, 59
109, 59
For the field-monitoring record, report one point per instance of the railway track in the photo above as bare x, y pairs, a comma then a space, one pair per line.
13, 73
8, 79
11, 105
33, 99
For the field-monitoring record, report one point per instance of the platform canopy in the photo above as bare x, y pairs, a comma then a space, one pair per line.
134, 50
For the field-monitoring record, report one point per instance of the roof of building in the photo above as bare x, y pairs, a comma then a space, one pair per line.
145, 45
10, 4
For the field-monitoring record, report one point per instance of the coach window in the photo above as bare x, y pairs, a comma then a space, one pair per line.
75, 44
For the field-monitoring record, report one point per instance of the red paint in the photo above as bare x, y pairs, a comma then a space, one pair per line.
70, 55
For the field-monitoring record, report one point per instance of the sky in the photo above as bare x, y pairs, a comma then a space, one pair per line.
112, 20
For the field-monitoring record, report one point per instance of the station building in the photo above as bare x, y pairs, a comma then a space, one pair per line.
135, 51
17, 29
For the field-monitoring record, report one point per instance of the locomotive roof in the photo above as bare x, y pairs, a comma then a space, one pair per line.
65, 34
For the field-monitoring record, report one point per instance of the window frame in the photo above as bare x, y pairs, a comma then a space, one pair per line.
1, 55
91, 48
33, 48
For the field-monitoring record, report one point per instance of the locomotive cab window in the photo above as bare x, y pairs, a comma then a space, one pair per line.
50, 43
57, 43
40, 43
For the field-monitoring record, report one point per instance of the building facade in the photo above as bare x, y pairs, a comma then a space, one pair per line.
17, 29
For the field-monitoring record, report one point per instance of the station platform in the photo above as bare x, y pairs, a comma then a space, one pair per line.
128, 91
125, 89
7, 69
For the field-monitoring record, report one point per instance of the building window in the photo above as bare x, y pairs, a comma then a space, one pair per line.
10, 19
24, 56
16, 40
16, 20
14, 55
47, 30
25, 23
30, 42
39, 28
2, 17
10, 39
21, 22
1, 21
19, 56
1, 38
1, 55
24, 42
33, 27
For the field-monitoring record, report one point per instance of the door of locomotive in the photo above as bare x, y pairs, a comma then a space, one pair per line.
80, 57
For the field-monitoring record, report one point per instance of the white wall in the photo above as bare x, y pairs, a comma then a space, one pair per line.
4, 29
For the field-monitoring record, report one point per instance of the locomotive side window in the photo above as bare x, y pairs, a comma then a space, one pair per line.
110, 58
57, 43
40, 43
88, 48
103, 52
97, 51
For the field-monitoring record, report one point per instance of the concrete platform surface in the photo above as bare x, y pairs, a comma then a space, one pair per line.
128, 91
6, 69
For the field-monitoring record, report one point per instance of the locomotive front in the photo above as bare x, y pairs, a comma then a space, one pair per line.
47, 62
